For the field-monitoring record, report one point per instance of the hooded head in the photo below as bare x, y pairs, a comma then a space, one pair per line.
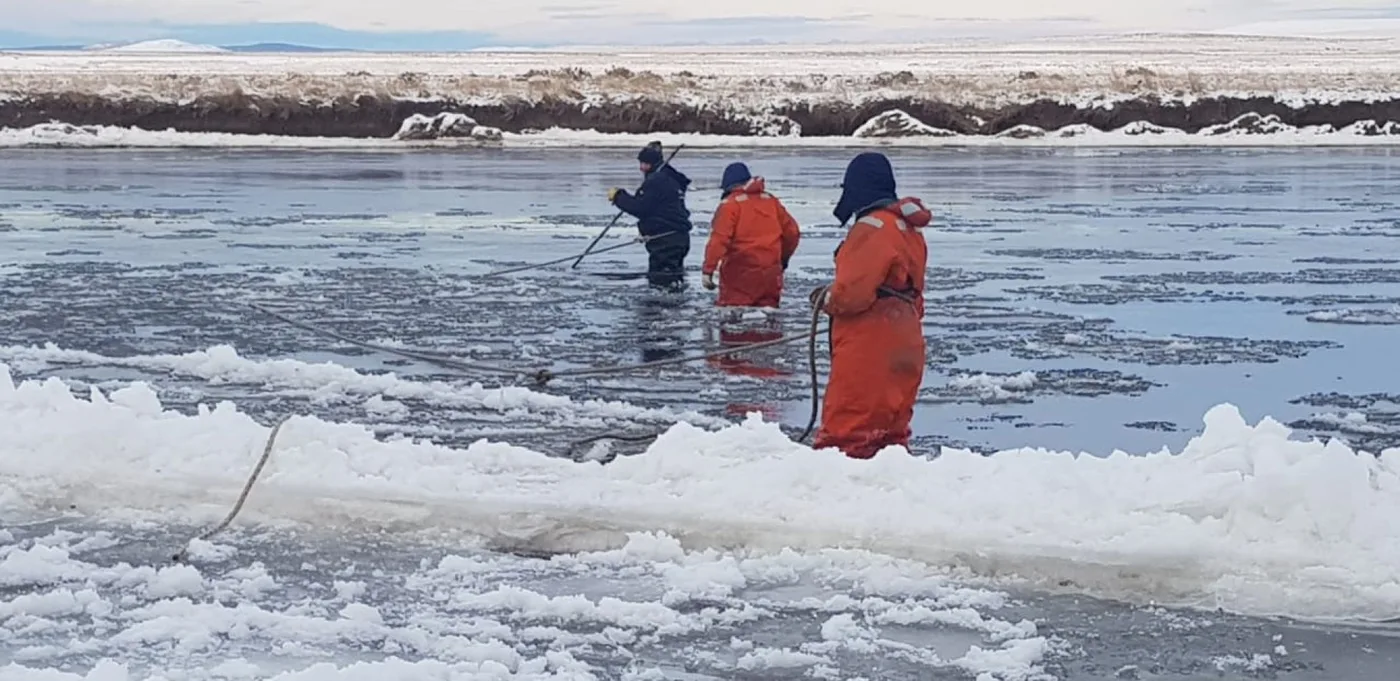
869, 182
735, 174
650, 156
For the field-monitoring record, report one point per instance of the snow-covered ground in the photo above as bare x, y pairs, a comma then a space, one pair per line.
1074, 70
1197, 52
1080, 301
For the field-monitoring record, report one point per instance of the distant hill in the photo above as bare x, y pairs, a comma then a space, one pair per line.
158, 46
46, 48
283, 47
178, 46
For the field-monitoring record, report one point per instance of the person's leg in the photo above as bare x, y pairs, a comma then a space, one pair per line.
666, 264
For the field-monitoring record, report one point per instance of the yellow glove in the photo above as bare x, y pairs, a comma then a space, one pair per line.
612, 194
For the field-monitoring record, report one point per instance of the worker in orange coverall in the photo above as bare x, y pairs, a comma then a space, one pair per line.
876, 306
752, 238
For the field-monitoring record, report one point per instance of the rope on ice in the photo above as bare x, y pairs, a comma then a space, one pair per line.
247, 487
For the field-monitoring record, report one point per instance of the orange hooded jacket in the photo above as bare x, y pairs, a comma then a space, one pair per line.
751, 240
876, 305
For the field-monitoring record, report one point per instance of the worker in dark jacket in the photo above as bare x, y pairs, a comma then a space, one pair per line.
659, 206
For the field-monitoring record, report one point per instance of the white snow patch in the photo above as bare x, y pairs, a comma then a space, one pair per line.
378, 406
778, 658
446, 125
994, 386
208, 552
898, 123
176, 580
1378, 316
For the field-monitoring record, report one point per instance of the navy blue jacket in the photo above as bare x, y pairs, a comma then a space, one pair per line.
659, 205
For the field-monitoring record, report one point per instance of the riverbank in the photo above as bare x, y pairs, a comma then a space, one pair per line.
1194, 86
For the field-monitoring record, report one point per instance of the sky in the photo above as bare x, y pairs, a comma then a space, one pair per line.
434, 25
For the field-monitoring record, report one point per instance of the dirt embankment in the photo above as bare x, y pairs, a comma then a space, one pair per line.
368, 116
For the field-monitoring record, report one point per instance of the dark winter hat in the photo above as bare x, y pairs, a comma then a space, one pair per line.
651, 154
734, 174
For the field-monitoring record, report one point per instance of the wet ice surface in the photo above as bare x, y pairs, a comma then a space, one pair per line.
1078, 300
1178, 279
259, 601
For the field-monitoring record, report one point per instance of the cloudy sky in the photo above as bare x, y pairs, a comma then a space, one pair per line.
464, 24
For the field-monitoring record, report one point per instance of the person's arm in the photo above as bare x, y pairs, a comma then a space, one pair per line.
862, 264
643, 204
791, 234
722, 230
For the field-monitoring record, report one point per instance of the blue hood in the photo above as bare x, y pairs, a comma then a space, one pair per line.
734, 174
869, 182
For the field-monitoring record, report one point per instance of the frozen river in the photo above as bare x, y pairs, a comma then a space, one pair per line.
1080, 300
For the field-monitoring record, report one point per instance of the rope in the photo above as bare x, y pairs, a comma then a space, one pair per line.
811, 337
812, 366
812, 356
540, 376
617, 217
247, 487
434, 358
544, 375
522, 268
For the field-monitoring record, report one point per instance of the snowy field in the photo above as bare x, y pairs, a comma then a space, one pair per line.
1080, 70
1161, 302
1200, 52
1159, 91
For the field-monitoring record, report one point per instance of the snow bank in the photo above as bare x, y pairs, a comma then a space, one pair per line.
222, 364
1242, 518
893, 131
898, 123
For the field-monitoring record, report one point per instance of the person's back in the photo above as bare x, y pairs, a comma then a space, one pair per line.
752, 238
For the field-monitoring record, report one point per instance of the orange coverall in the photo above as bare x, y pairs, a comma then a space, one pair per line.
751, 239
877, 339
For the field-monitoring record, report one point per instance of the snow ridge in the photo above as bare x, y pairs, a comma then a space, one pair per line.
1243, 518
887, 131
